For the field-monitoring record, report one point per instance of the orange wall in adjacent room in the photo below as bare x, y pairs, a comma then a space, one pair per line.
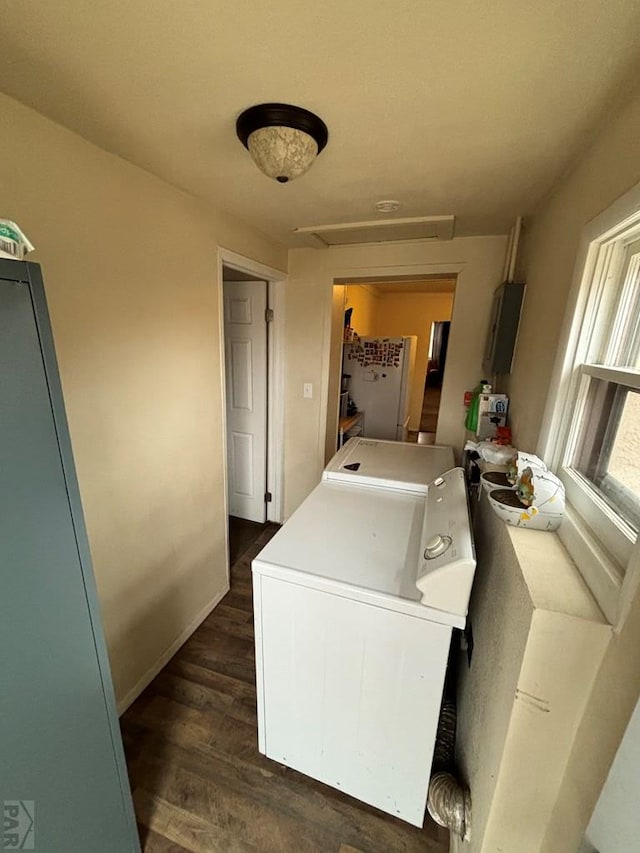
364, 302
412, 314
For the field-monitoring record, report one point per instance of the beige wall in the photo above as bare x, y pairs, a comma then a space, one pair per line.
611, 702
412, 314
130, 270
609, 168
614, 823
478, 263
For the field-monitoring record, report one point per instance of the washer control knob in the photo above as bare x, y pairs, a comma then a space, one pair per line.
436, 545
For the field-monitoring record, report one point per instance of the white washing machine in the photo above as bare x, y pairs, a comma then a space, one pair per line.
389, 464
355, 599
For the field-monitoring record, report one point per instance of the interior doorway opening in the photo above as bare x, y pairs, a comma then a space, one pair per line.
436, 361
253, 395
246, 380
389, 342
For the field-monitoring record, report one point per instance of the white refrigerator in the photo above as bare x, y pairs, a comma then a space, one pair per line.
381, 371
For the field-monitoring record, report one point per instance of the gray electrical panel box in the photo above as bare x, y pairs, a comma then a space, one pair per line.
503, 328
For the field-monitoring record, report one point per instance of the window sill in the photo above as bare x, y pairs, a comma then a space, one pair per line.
555, 581
552, 577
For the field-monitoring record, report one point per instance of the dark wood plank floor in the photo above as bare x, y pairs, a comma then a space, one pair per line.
242, 535
430, 409
200, 784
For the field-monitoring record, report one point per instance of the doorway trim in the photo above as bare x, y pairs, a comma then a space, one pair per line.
275, 378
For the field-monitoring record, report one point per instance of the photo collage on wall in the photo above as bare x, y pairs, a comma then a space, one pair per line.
377, 352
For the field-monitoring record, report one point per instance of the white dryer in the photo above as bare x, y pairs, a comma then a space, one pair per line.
355, 599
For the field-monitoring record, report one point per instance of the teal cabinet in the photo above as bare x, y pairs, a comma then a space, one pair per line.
63, 779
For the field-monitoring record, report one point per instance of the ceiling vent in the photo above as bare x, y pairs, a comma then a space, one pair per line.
379, 231
388, 205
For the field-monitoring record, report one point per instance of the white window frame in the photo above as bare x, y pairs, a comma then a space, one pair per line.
598, 551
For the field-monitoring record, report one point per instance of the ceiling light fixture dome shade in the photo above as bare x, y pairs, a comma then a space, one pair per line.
283, 140
282, 153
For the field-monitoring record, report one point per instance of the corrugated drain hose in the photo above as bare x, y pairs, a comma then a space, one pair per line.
449, 802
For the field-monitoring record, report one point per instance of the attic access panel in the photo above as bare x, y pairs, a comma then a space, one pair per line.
379, 231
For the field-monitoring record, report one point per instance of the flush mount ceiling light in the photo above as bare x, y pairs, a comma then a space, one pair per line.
283, 140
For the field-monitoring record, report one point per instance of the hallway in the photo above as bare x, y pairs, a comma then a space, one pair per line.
428, 417
199, 783
430, 409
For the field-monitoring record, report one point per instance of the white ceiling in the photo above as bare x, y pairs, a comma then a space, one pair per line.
471, 108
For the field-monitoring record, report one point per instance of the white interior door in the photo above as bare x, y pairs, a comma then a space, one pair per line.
245, 304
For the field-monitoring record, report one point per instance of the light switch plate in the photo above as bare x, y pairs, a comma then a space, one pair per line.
307, 390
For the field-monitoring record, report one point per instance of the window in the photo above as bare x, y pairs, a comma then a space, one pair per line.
607, 457
595, 419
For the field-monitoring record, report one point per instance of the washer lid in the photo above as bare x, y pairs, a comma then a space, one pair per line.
389, 464
356, 542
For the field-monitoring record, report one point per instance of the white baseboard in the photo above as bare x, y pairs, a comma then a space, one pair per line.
130, 697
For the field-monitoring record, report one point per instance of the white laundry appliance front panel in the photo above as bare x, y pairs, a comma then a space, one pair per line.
349, 693
350, 655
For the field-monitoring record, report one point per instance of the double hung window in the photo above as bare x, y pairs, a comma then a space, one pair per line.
595, 443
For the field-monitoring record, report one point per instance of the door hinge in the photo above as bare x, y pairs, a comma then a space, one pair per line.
268, 315
267, 497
